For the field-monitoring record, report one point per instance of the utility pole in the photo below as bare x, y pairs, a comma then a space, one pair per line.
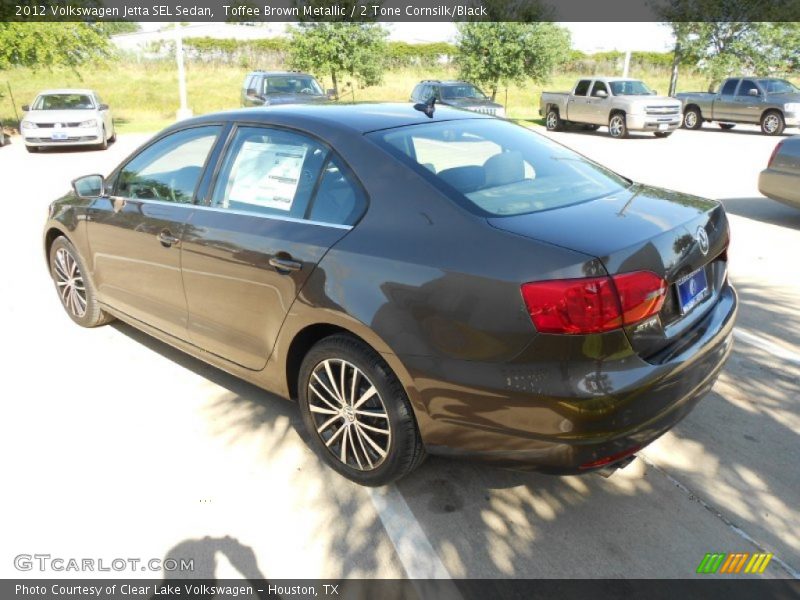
627, 64
184, 112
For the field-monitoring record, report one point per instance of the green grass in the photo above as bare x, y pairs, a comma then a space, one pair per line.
144, 96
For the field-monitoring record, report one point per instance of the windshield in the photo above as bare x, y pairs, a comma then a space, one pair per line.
63, 102
629, 88
292, 84
497, 168
778, 86
450, 92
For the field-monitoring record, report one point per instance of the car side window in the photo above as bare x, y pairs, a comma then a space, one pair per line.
339, 200
269, 171
599, 86
249, 83
729, 88
582, 88
747, 85
169, 169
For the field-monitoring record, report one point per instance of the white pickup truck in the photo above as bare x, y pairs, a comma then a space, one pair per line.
621, 104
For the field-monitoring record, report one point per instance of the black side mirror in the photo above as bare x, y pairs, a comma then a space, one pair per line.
102, 107
89, 187
26, 107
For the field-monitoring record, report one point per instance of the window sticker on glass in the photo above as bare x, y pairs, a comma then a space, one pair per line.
267, 174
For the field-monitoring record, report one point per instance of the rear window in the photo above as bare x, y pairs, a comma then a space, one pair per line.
497, 168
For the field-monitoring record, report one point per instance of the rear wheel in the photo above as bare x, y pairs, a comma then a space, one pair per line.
772, 123
357, 413
692, 119
553, 120
75, 289
726, 126
617, 126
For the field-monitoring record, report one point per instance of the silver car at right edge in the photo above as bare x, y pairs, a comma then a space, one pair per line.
781, 179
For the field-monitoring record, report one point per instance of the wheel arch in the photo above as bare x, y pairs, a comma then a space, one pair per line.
771, 110
50, 237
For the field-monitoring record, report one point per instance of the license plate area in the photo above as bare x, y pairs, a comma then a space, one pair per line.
59, 135
692, 290
663, 126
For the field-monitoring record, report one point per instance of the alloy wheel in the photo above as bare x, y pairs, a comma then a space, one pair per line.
616, 125
349, 415
552, 120
69, 282
771, 124
690, 120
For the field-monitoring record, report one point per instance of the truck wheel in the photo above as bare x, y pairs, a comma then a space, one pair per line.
772, 123
727, 126
617, 127
553, 120
692, 119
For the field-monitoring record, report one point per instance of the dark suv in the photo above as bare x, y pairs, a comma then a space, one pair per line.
459, 94
267, 88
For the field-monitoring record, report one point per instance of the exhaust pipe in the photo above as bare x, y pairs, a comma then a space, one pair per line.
609, 470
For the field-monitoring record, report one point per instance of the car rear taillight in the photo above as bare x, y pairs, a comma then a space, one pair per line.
593, 304
774, 154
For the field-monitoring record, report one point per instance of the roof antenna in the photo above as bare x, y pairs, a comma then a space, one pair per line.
427, 107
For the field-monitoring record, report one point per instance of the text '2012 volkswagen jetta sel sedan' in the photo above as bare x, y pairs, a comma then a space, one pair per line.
419, 281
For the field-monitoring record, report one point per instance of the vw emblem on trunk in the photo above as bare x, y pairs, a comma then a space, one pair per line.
702, 240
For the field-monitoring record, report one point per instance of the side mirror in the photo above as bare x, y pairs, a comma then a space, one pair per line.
601, 94
753, 92
26, 107
251, 92
89, 187
102, 107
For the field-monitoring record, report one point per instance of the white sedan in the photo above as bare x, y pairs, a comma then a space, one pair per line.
68, 117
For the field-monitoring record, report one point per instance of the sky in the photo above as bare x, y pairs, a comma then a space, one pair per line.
587, 37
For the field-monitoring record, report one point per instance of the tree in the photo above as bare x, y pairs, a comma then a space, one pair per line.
500, 53
724, 38
45, 45
356, 49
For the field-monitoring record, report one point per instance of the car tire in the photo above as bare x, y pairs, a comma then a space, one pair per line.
772, 123
662, 134
104, 144
3, 138
726, 126
69, 273
348, 439
553, 120
32, 149
692, 118
617, 126
113, 137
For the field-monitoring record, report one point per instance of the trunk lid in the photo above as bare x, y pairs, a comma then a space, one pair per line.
643, 229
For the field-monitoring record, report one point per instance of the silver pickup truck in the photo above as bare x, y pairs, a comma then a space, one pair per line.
772, 103
621, 104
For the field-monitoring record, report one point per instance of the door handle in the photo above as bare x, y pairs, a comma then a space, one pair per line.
167, 239
285, 265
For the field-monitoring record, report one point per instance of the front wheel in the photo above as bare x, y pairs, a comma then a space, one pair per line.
357, 413
772, 123
75, 289
617, 126
553, 120
692, 119
103, 145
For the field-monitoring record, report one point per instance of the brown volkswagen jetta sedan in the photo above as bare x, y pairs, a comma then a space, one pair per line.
420, 281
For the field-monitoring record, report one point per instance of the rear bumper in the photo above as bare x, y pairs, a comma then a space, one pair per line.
561, 415
780, 186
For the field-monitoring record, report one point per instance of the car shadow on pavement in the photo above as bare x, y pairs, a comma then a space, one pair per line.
764, 210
